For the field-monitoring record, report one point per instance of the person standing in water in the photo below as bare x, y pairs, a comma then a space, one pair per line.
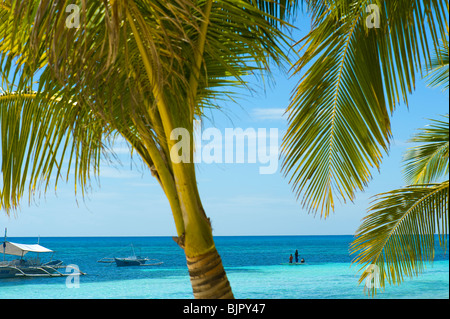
296, 256
290, 259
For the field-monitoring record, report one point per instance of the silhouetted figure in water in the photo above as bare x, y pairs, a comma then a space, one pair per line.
296, 256
290, 259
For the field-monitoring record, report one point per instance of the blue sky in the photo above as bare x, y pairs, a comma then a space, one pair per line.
238, 200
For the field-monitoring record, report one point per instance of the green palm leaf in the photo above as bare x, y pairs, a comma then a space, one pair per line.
278, 8
398, 236
339, 123
41, 138
438, 76
428, 162
337, 119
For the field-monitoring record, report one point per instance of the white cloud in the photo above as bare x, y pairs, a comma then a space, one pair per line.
269, 114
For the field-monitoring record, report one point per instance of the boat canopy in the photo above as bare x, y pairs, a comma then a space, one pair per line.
10, 248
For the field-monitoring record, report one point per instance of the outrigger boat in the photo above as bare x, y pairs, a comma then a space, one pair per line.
133, 260
31, 267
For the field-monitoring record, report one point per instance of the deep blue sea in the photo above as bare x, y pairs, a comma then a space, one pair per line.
253, 265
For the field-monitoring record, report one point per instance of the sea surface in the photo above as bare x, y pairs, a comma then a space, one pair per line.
254, 266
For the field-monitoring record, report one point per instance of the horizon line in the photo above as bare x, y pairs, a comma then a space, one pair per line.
171, 236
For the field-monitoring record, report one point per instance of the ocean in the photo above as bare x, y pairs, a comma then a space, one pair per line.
254, 266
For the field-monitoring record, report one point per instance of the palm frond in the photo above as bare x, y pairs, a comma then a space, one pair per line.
438, 75
428, 162
41, 138
398, 236
339, 124
282, 9
338, 120
410, 31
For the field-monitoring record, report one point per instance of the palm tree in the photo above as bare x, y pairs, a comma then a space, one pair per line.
136, 69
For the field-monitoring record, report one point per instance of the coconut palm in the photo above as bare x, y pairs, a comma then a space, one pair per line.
76, 77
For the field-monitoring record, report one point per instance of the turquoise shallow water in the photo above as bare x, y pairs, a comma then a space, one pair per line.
253, 266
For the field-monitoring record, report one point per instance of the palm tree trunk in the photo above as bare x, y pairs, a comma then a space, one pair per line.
208, 277
207, 274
